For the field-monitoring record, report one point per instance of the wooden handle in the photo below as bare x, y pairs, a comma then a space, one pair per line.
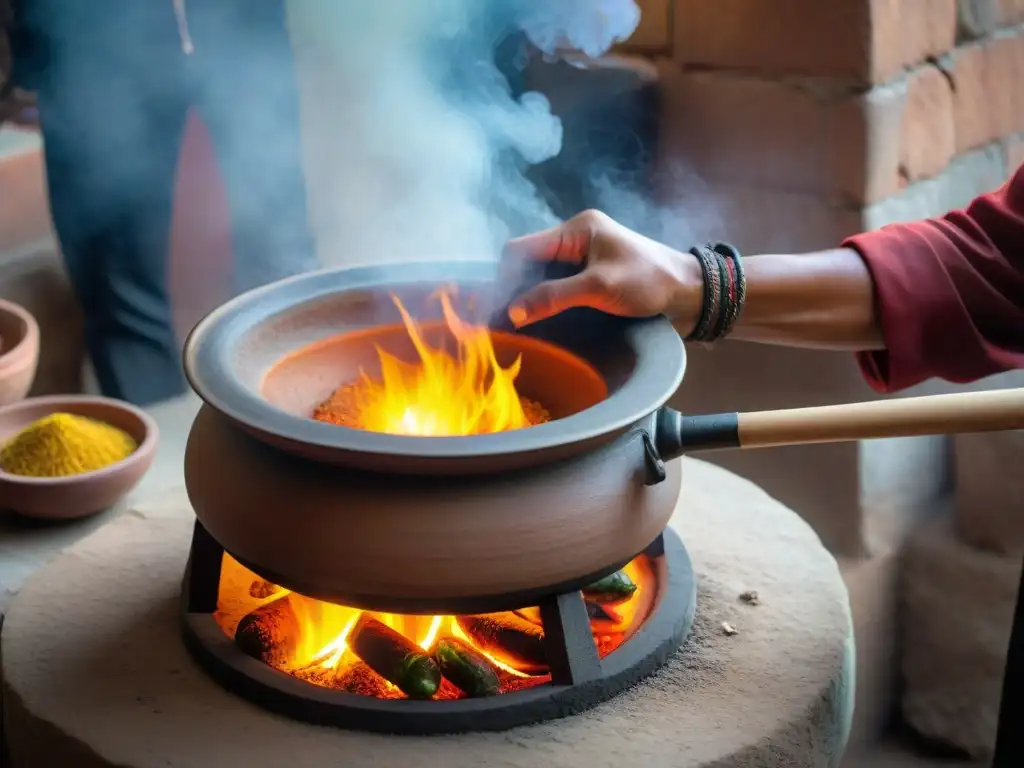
900, 417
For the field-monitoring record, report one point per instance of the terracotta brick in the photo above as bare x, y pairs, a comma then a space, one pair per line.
800, 37
654, 34
968, 67
743, 130
928, 136
853, 41
928, 28
866, 144
988, 101
758, 220
858, 148
968, 176
1006, 95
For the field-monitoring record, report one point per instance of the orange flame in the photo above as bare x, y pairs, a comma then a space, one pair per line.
468, 393
324, 629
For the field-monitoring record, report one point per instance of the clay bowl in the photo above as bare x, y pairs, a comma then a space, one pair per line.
76, 496
19, 352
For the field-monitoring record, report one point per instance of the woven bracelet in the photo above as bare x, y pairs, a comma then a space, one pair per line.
726, 291
711, 298
735, 294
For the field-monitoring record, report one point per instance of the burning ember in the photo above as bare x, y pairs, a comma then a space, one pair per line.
467, 392
393, 656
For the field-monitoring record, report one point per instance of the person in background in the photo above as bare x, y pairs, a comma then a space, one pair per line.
940, 298
114, 81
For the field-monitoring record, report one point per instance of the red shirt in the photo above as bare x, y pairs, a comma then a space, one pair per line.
950, 292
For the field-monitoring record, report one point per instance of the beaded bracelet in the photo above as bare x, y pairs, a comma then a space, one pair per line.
725, 291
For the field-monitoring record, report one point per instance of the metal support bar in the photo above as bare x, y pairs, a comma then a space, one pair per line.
569, 640
202, 574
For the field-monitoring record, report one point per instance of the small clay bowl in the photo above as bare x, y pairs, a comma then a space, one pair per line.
75, 496
19, 352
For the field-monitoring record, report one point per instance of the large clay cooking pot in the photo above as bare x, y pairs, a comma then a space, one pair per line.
418, 524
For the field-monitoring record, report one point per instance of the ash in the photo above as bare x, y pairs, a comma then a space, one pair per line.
698, 665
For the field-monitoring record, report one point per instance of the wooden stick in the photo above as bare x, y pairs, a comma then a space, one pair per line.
992, 411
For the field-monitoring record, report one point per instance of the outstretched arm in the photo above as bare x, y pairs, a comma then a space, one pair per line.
823, 300
949, 292
940, 298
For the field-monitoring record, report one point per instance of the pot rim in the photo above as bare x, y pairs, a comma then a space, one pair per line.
660, 365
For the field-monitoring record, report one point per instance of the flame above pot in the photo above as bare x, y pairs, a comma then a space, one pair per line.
445, 392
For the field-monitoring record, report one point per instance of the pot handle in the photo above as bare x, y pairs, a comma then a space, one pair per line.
993, 411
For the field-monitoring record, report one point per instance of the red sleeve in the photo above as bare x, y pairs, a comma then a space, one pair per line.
950, 292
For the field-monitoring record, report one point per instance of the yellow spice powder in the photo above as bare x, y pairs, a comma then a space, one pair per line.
64, 444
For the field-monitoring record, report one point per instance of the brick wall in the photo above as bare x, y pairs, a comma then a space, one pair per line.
812, 120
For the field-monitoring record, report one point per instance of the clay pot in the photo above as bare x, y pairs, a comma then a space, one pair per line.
19, 352
420, 544
266, 358
76, 496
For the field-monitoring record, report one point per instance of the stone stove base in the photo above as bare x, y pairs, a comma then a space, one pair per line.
95, 674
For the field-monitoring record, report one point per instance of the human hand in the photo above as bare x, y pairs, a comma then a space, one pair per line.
624, 273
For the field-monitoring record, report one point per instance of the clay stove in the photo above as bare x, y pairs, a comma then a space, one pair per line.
480, 671
409, 523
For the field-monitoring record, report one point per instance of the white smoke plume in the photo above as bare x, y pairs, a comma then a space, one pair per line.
416, 147
589, 26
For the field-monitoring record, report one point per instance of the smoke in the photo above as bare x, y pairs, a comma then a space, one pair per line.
419, 137
417, 143
687, 213
589, 26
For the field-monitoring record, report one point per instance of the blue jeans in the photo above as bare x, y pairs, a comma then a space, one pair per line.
114, 88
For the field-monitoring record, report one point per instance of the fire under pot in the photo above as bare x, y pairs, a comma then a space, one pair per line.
410, 523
